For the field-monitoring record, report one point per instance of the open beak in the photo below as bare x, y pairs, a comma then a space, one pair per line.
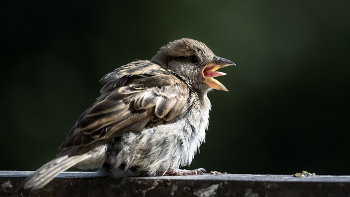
209, 72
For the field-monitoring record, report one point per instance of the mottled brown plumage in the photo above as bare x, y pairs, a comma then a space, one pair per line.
150, 118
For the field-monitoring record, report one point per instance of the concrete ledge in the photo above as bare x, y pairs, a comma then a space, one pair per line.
89, 184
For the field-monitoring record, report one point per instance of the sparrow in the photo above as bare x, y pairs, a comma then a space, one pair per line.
149, 120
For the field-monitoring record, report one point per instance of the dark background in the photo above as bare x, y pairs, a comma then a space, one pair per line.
287, 108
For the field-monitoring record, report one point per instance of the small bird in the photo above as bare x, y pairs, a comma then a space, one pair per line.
149, 120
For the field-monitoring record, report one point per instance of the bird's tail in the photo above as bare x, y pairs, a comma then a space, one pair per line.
49, 171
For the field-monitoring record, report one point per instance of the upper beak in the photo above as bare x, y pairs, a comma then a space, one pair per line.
209, 72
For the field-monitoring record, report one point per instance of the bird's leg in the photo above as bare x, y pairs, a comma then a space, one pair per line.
180, 172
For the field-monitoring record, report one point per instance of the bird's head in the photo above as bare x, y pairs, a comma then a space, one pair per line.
194, 62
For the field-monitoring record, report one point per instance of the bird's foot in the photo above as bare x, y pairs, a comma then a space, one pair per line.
180, 172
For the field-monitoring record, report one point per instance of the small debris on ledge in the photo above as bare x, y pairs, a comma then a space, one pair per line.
217, 173
304, 174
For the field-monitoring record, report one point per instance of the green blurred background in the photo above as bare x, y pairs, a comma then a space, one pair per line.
286, 110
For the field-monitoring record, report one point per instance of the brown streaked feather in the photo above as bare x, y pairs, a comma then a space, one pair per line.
164, 106
176, 109
146, 97
119, 76
144, 101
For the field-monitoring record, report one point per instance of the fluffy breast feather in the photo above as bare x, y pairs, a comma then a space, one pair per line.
165, 147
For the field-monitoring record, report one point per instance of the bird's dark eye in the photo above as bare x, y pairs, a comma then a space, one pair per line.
193, 59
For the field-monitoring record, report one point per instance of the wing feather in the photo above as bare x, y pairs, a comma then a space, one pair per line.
164, 106
137, 96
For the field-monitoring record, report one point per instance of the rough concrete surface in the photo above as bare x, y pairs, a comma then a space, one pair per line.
89, 184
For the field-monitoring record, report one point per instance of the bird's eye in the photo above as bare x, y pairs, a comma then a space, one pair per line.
193, 59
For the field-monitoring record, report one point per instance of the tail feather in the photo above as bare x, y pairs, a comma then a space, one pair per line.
50, 170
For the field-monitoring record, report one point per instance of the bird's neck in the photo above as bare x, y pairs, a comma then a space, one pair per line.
204, 102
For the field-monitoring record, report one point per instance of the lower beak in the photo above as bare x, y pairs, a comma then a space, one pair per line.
209, 72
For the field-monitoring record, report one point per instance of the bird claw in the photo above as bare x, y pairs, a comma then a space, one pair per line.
180, 172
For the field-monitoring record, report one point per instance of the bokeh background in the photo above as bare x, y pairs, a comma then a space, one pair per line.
287, 108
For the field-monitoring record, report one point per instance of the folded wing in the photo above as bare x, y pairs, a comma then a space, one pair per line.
131, 100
